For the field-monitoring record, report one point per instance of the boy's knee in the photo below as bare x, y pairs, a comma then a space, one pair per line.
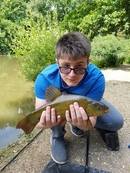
118, 124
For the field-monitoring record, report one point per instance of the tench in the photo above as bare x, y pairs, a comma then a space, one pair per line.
61, 102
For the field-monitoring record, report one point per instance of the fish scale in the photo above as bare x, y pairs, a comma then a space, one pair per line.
61, 103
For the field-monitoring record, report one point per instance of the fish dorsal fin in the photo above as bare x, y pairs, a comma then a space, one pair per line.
52, 93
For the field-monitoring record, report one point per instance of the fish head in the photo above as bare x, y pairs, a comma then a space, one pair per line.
95, 108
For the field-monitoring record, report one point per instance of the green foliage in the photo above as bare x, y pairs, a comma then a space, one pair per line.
109, 51
35, 47
106, 18
89, 17
62, 8
39, 7
13, 10
11, 14
99, 17
30, 29
127, 58
73, 19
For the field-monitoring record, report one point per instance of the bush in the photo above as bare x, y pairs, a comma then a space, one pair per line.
99, 63
34, 45
108, 51
12, 13
127, 51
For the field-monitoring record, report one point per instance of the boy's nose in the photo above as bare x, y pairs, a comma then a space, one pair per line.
72, 73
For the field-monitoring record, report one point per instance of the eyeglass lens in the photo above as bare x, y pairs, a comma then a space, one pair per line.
67, 70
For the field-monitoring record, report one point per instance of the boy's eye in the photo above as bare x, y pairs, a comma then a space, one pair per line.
66, 66
79, 65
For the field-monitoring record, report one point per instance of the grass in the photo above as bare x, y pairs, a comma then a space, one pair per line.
9, 152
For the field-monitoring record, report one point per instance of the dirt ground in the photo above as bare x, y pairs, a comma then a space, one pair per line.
37, 154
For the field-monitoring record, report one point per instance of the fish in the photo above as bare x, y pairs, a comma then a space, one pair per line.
61, 102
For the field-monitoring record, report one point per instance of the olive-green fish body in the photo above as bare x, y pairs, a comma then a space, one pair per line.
61, 103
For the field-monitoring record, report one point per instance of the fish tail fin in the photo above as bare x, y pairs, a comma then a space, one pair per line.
25, 125
90, 127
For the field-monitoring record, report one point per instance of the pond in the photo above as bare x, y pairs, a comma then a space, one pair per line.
16, 100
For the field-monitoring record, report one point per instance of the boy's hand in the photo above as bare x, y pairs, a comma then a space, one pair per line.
78, 117
48, 118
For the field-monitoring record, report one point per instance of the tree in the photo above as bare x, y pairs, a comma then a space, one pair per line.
35, 47
99, 17
12, 14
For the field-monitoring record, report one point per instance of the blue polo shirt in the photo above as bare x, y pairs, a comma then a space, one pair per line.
92, 84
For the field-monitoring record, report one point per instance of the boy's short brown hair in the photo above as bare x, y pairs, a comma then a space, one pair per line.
74, 45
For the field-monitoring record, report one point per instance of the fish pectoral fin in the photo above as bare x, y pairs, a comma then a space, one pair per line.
89, 124
52, 93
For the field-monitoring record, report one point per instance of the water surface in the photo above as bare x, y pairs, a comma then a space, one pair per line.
16, 100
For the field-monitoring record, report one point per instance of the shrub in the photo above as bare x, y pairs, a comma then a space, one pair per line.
108, 51
34, 45
127, 51
12, 13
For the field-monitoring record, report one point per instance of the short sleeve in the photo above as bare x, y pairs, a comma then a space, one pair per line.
40, 86
96, 92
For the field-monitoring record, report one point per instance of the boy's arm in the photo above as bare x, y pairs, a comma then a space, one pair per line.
39, 103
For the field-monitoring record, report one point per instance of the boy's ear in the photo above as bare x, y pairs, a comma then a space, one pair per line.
88, 61
56, 61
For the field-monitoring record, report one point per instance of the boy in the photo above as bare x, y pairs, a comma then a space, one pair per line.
73, 73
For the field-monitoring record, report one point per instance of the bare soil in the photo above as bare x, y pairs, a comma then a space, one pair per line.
37, 154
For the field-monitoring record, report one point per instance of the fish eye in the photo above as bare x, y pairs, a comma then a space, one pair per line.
99, 108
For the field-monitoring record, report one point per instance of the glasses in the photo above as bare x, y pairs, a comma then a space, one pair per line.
67, 70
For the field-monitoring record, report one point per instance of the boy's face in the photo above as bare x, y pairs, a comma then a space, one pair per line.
72, 79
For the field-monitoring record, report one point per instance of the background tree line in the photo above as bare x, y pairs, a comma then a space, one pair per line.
29, 29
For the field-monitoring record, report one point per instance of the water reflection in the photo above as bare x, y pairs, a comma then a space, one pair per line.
15, 110
9, 135
16, 100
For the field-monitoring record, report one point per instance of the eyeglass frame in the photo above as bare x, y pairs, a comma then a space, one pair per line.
69, 68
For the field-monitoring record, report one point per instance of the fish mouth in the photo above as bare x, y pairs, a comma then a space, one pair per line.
107, 110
